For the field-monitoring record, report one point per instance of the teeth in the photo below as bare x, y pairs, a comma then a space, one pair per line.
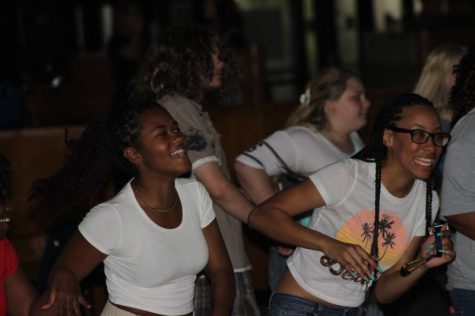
425, 162
5, 220
177, 152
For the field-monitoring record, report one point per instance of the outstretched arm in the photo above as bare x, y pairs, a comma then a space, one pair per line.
219, 271
274, 219
222, 191
75, 262
255, 182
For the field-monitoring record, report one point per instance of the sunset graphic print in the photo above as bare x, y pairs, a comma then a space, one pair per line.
393, 236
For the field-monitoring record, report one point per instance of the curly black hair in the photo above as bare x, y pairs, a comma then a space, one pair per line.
96, 160
462, 95
375, 151
180, 60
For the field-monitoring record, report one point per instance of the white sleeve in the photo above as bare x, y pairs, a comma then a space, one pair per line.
334, 182
207, 214
102, 228
261, 156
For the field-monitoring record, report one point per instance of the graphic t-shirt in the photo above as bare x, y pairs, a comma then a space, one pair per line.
347, 188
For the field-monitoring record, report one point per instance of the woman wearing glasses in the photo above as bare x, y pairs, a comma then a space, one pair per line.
371, 214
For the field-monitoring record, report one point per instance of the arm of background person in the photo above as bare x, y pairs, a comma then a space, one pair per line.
464, 223
222, 191
20, 293
255, 182
219, 271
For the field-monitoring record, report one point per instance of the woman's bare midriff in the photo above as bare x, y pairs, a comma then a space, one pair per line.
141, 312
288, 285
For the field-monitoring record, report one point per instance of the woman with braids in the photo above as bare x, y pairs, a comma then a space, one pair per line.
321, 131
458, 187
186, 66
154, 236
369, 219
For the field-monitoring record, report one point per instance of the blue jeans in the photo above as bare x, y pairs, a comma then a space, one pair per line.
464, 301
289, 305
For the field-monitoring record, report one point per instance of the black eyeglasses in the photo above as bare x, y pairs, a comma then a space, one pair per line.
420, 136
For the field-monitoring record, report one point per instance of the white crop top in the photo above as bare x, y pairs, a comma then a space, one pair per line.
147, 266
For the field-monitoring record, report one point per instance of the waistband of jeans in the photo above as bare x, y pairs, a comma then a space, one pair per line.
309, 303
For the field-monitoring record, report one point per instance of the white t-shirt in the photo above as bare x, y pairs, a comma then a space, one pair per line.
147, 266
347, 188
303, 150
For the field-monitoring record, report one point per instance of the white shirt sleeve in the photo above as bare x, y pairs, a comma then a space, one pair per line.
334, 182
102, 228
207, 214
261, 156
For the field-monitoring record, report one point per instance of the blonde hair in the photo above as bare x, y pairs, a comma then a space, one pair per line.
432, 81
327, 85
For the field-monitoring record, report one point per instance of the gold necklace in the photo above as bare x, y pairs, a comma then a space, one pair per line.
154, 208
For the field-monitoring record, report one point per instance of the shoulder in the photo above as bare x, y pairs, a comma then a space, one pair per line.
176, 103
302, 132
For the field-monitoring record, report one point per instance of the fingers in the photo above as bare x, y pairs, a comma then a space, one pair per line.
84, 302
51, 299
356, 259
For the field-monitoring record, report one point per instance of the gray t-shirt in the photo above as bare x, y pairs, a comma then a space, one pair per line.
458, 197
204, 145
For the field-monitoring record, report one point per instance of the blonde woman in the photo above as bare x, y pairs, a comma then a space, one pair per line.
321, 131
437, 78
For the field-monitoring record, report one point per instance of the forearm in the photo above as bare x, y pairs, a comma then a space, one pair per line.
255, 182
281, 227
223, 288
234, 203
464, 223
390, 287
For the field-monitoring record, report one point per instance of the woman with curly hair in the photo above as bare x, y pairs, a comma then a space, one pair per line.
183, 69
369, 220
154, 236
321, 131
458, 193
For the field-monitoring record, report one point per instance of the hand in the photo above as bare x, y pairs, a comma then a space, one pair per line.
352, 257
428, 249
285, 251
64, 292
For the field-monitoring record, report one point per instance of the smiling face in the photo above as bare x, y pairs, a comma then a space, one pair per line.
415, 161
349, 110
161, 148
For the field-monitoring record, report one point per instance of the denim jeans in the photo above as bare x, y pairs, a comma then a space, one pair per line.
289, 305
464, 301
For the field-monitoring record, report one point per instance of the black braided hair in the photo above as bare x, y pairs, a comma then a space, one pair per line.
462, 95
95, 160
375, 151
5, 179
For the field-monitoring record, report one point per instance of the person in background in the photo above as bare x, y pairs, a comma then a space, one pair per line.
321, 131
185, 66
458, 188
371, 215
437, 78
154, 236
